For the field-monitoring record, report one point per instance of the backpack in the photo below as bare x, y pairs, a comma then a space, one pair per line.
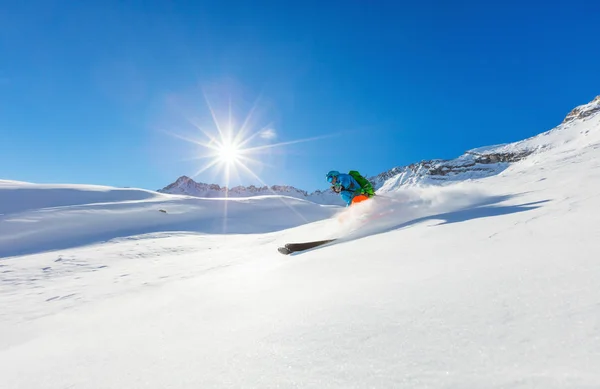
366, 186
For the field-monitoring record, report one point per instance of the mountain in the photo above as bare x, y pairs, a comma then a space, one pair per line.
482, 283
484, 161
187, 186
473, 164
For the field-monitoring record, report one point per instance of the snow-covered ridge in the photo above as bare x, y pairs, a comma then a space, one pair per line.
186, 186
471, 165
477, 163
491, 160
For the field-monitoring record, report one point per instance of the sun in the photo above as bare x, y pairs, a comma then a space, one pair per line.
235, 148
229, 153
232, 147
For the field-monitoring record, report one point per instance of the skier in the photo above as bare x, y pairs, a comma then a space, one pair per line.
353, 188
349, 188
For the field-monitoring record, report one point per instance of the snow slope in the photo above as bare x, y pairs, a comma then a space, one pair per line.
487, 283
35, 217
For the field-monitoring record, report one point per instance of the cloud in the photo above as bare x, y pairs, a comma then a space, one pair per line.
269, 133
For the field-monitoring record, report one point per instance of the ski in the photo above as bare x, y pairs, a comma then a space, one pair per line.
284, 250
295, 247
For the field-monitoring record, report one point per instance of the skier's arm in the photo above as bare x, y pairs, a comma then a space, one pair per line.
345, 181
347, 197
348, 183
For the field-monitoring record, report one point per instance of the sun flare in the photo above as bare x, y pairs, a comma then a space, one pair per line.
229, 153
235, 148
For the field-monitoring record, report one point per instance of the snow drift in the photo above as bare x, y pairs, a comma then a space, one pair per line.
48, 217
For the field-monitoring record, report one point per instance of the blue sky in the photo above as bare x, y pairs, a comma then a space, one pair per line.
103, 92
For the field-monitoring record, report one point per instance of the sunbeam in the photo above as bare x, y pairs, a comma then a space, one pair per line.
291, 142
232, 148
206, 167
272, 191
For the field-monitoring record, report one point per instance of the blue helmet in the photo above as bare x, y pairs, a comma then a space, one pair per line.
331, 174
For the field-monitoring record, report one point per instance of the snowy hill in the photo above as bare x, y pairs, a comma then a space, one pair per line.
36, 217
483, 283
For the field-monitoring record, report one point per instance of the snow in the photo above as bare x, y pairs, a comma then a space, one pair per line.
482, 283
580, 132
187, 186
487, 161
49, 217
461, 169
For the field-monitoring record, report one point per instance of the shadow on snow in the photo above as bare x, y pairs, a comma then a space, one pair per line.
403, 218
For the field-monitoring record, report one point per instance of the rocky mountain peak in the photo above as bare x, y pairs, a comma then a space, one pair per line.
184, 185
584, 111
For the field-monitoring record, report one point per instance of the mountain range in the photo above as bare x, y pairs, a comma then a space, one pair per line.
473, 164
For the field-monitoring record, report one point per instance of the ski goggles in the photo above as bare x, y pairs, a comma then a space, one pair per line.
331, 179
